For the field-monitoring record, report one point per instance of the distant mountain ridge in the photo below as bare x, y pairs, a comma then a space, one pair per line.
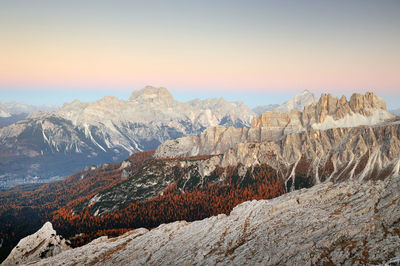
36, 149
264, 108
11, 112
156, 104
20, 107
298, 103
395, 111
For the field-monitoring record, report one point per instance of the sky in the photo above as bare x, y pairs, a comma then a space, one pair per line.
258, 52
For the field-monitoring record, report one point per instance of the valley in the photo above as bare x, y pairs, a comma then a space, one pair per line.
222, 168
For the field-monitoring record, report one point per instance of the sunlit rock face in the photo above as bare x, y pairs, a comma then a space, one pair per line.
306, 148
328, 113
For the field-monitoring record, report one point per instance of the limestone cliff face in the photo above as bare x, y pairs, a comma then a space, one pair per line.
316, 156
365, 105
300, 160
273, 119
313, 156
328, 113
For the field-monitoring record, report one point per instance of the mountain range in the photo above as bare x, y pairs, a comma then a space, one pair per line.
328, 113
11, 112
36, 149
331, 171
300, 155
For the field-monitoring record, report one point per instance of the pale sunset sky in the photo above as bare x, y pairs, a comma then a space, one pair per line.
259, 52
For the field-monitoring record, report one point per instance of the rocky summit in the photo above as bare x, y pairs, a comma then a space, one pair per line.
350, 223
314, 156
306, 148
42, 244
329, 112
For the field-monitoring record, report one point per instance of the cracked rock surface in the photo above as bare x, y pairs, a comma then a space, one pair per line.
349, 223
42, 244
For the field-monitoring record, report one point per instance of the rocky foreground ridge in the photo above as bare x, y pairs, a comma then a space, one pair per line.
42, 244
349, 223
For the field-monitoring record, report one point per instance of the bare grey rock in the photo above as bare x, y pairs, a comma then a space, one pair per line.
42, 244
349, 223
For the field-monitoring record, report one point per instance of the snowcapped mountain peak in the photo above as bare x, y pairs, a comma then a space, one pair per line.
109, 129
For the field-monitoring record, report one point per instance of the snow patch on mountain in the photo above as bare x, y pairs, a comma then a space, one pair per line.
125, 164
4, 113
353, 120
110, 129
